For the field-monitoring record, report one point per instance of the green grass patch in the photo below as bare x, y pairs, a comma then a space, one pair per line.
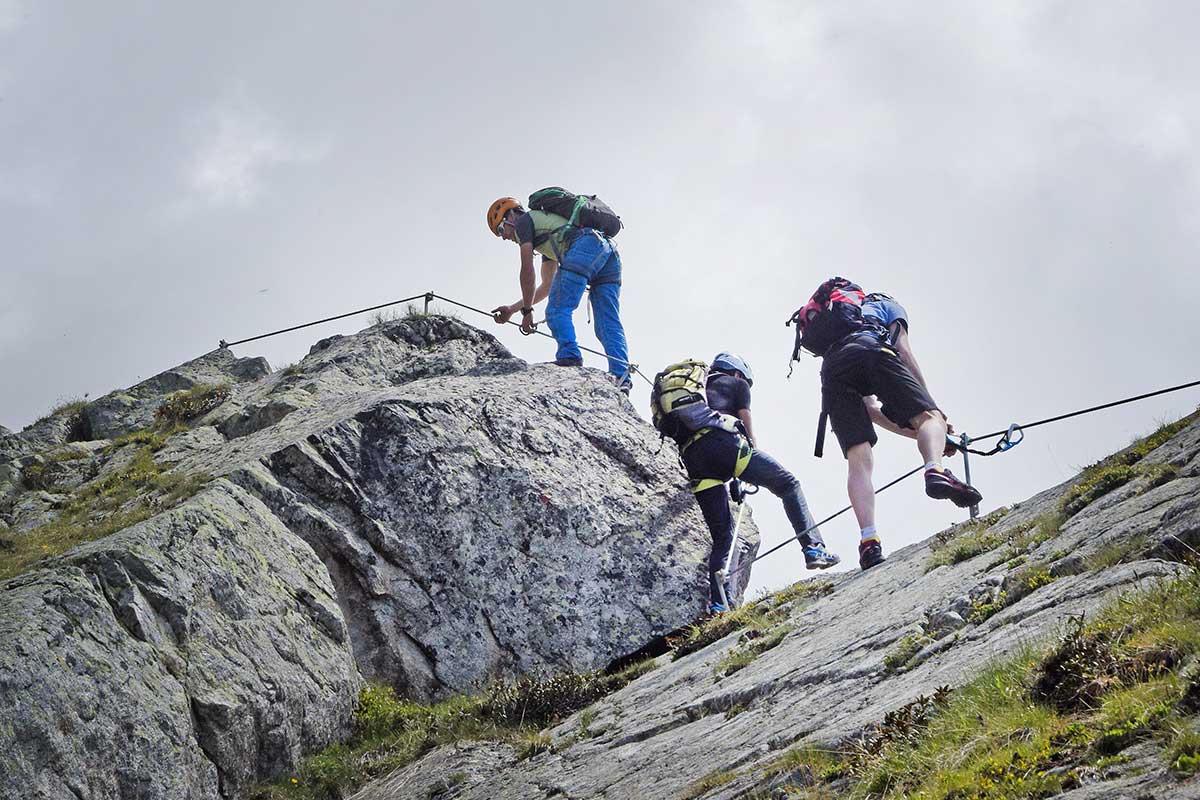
1097, 481
112, 502
1116, 553
153, 438
1120, 468
182, 407
73, 411
981, 536
1019, 585
713, 780
801, 590
754, 643
905, 650
1184, 753
70, 407
41, 474
968, 540
760, 615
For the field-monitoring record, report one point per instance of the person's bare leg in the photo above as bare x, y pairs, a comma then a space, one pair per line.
931, 436
860, 460
940, 483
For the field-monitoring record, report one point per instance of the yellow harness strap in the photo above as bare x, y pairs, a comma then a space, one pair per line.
745, 451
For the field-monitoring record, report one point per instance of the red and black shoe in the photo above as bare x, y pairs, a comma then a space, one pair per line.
942, 485
870, 553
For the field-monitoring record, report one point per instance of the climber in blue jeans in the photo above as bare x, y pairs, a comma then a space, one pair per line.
588, 260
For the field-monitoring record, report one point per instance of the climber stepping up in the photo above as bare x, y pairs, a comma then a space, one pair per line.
573, 234
885, 312
715, 449
728, 391
858, 362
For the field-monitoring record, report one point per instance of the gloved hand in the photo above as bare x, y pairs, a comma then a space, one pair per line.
736, 492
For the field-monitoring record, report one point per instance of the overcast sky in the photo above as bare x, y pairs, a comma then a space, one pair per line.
1023, 176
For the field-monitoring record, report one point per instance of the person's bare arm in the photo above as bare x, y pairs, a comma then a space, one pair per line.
744, 416
904, 350
875, 412
549, 268
528, 286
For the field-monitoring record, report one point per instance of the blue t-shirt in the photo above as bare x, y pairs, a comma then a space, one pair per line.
727, 394
884, 310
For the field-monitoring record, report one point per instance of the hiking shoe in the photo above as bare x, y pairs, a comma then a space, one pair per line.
568, 362
942, 485
870, 553
817, 557
625, 387
717, 608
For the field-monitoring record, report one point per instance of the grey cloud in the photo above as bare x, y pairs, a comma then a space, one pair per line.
1022, 175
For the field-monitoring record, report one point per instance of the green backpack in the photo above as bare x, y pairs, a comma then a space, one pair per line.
579, 210
678, 403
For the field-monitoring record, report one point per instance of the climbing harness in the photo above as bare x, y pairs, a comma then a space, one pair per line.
744, 453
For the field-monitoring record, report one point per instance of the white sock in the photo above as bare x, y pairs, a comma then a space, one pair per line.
932, 465
869, 532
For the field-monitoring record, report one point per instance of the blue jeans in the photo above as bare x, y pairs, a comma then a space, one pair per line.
590, 260
768, 473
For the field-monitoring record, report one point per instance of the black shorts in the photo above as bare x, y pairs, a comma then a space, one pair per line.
861, 367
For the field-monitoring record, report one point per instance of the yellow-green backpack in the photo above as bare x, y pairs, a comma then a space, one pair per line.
678, 404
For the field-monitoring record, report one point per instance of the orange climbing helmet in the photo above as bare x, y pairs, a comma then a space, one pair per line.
498, 210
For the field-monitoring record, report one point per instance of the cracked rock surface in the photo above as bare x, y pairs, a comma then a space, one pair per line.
182, 657
827, 680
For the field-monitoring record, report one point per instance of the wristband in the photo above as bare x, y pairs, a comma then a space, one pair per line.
527, 310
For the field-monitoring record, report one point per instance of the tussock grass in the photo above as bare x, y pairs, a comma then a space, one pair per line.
182, 407
760, 617
390, 733
69, 407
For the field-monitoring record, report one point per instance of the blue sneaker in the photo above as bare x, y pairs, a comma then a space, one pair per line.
817, 557
717, 608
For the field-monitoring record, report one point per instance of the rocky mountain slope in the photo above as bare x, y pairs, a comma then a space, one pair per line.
943, 673
202, 571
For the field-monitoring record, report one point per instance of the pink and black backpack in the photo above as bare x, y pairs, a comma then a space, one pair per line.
833, 313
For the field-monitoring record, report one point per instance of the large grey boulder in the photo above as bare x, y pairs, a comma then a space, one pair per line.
485, 526
184, 657
436, 514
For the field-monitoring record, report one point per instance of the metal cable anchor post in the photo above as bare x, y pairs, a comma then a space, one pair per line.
965, 441
428, 300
